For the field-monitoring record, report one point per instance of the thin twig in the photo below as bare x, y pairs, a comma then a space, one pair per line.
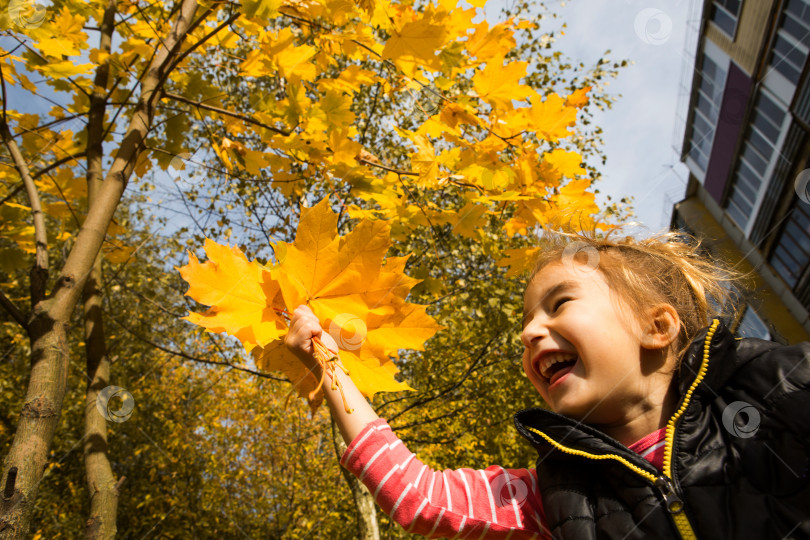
387, 168
13, 192
233, 114
13, 310
57, 163
193, 358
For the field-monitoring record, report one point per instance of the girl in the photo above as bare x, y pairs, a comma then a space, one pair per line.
662, 426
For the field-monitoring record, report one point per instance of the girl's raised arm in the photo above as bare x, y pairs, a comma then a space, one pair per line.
492, 503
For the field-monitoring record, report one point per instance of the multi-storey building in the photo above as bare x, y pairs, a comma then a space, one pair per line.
746, 144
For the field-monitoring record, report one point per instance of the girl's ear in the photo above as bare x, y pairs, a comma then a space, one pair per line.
661, 327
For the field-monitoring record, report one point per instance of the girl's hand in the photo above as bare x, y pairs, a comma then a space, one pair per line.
304, 327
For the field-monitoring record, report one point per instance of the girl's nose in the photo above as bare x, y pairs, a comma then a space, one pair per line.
534, 330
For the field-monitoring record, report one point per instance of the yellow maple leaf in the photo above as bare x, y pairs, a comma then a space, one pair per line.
578, 98
499, 84
454, 114
56, 47
424, 161
488, 43
415, 43
574, 205
552, 118
260, 9
358, 296
344, 149
336, 110
359, 301
250, 160
351, 79
567, 163
68, 26
241, 303
574, 194
518, 260
118, 253
61, 70
295, 62
277, 357
466, 220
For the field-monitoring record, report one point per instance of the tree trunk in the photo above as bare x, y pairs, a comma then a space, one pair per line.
25, 463
367, 524
101, 482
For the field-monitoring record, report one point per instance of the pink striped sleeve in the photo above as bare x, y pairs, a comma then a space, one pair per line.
465, 503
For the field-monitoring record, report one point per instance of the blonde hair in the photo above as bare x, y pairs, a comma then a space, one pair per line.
670, 268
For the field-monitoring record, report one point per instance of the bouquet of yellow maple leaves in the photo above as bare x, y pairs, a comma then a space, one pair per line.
358, 296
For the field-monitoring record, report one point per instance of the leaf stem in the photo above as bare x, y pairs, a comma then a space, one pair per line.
329, 360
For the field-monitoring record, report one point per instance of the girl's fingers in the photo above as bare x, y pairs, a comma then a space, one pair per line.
304, 326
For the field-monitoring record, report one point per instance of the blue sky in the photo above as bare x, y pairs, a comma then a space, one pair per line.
639, 131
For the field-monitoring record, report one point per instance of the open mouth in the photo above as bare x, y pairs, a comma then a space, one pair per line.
555, 365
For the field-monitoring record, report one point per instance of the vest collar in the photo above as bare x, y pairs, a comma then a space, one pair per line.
723, 362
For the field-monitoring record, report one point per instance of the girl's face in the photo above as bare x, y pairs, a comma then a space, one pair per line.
583, 349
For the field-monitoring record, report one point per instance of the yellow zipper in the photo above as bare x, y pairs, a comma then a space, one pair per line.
681, 521
558, 446
664, 482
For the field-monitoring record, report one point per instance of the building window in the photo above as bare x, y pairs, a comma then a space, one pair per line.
790, 48
707, 109
751, 326
761, 140
724, 15
791, 253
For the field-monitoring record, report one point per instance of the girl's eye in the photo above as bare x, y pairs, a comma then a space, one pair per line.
559, 302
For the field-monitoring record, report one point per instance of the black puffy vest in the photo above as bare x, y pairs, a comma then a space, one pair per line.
746, 478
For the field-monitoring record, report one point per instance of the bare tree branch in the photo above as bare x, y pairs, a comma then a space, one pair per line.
387, 168
219, 110
191, 357
12, 309
19, 187
57, 163
39, 272
473, 365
